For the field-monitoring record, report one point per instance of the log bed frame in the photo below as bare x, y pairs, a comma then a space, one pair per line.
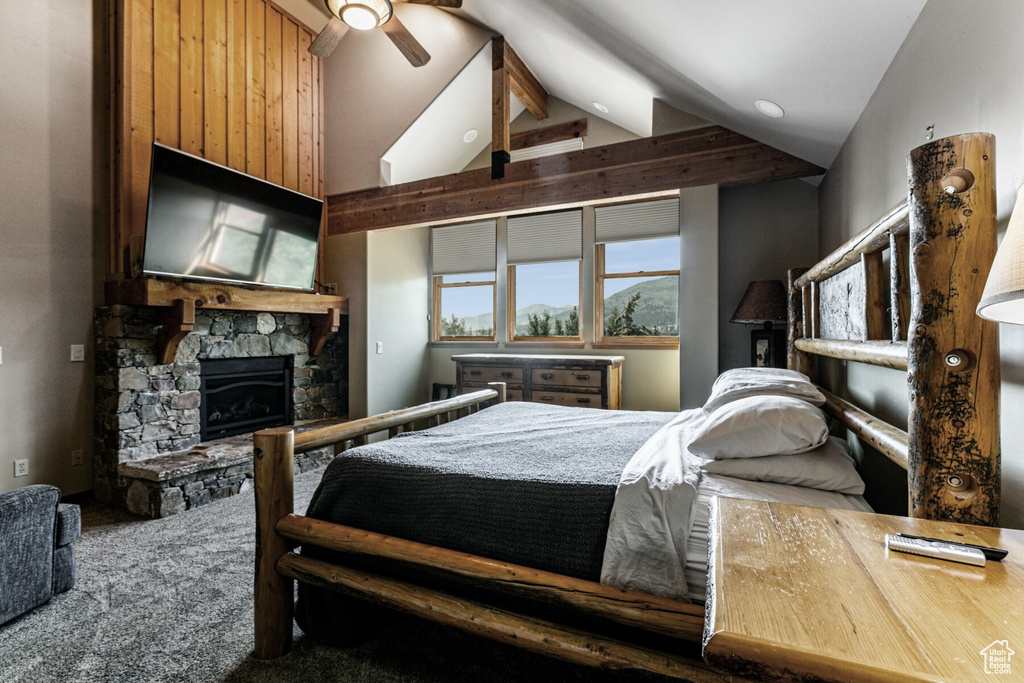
941, 242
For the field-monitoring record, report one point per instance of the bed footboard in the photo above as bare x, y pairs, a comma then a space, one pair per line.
273, 464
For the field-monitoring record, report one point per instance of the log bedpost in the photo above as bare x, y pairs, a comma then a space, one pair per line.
500, 388
274, 455
795, 358
953, 372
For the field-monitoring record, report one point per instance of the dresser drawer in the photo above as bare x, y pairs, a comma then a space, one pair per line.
482, 374
566, 398
510, 394
541, 377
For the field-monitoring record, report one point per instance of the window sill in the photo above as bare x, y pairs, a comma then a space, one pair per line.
637, 343
488, 344
574, 344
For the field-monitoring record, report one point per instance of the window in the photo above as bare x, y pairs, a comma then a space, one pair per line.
636, 266
546, 301
463, 264
544, 256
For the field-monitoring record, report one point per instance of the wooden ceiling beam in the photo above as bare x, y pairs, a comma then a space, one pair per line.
525, 85
705, 156
549, 134
510, 75
501, 103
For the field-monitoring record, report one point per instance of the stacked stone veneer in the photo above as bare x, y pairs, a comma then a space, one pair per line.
148, 457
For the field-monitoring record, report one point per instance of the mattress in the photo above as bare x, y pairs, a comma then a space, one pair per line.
519, 482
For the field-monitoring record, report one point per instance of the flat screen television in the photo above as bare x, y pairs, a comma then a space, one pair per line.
208, 222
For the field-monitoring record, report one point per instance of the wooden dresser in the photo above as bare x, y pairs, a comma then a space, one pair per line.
585, 381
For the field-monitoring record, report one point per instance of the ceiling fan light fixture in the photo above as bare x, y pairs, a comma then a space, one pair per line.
361, 15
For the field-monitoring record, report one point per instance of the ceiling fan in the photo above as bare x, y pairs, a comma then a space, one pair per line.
364, 15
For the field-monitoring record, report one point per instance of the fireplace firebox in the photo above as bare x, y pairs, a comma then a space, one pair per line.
244, 395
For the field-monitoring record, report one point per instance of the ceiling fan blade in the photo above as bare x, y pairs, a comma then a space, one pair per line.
325, 43
454, 4
403, 40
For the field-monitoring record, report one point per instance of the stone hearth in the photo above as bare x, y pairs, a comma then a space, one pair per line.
148, 457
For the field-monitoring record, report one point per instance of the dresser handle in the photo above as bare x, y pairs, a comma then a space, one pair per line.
507, 375
547, 375
547, 398
583, 400
581, 376
476, 373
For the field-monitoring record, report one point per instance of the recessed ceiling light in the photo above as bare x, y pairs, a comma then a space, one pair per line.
769, 108
600, 107
470, 136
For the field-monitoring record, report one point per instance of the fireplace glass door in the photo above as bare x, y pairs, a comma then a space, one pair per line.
244, 395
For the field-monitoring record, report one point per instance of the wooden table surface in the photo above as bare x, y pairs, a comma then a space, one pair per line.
809, 593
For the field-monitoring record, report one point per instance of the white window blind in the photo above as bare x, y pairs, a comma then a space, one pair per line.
639, 221
466, 248
545, 237
547, 150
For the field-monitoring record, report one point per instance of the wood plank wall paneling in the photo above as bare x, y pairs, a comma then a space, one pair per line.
227, 80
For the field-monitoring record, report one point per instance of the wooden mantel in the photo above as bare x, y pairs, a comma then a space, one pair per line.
706, 156
178, 302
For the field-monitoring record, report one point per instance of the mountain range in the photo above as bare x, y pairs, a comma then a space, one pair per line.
657, 306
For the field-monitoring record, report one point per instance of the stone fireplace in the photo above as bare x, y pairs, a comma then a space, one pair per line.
150, 454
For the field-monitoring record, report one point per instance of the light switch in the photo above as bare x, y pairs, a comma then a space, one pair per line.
77, 353
1, 355
380, 347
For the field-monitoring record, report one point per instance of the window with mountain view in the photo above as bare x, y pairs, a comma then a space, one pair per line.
462, 259
636, 265
464, 307
546, 301
545, 252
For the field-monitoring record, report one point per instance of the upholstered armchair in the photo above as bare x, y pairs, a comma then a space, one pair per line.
37, 552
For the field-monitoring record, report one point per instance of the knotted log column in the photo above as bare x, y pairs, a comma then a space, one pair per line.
953, 369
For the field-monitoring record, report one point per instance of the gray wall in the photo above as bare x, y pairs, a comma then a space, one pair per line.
960, 69
399, 292
763, 231
52, 231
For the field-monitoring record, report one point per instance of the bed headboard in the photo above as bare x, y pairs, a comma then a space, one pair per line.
918, 315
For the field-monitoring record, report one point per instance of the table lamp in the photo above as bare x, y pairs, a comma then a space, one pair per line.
764, 303
1003, 298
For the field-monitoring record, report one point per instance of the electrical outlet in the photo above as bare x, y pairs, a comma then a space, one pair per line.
77, 457
331, 287
77, 353
380, 347
1, 356
21, 468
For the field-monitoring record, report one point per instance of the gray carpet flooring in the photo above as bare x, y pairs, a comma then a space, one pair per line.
171, 600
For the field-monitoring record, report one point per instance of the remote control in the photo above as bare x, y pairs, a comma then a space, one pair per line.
991, 554
937, 549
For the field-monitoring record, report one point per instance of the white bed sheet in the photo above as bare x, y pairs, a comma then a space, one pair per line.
712, 485
658, 528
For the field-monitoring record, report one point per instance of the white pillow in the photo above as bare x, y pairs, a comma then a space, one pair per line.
742, 382
828, 468
760, 425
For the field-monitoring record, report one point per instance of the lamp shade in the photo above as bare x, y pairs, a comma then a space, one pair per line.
763, 302
1003, 298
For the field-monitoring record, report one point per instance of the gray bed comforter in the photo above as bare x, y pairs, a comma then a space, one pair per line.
519, 482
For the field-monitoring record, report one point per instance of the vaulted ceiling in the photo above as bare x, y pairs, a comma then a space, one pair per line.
819, 61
